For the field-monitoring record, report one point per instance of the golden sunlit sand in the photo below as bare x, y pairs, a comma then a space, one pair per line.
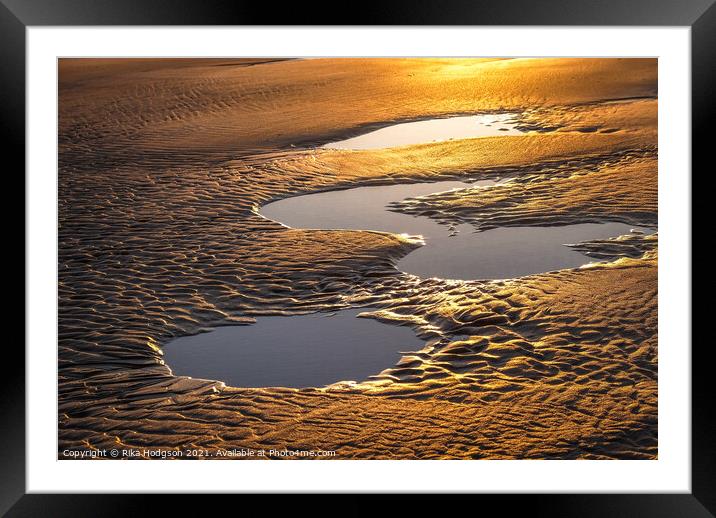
164, 163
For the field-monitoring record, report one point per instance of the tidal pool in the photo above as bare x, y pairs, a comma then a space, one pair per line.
320, 349
433, 130
507, 252
449, 253
292, 351
361, 208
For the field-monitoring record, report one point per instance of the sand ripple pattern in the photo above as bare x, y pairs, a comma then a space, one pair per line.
625, 192
158, 240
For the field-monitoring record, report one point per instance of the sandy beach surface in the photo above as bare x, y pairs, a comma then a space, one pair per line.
164, 163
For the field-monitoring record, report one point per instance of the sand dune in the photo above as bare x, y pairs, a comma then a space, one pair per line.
162, 165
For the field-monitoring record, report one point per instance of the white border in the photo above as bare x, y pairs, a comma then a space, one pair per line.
670, 473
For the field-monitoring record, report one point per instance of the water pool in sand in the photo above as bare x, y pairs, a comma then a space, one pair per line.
433, 130
319, 349
295, 351
450, 253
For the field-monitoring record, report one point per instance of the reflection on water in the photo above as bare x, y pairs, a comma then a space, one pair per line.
297, 351
433, 130
451, 254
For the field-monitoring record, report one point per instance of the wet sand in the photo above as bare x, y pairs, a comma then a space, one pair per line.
163, 166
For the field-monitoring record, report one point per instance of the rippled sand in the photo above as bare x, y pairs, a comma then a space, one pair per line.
164, 163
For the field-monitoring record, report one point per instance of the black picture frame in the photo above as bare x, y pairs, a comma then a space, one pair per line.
700, 15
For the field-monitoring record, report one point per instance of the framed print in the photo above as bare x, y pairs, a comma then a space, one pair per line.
432, 251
